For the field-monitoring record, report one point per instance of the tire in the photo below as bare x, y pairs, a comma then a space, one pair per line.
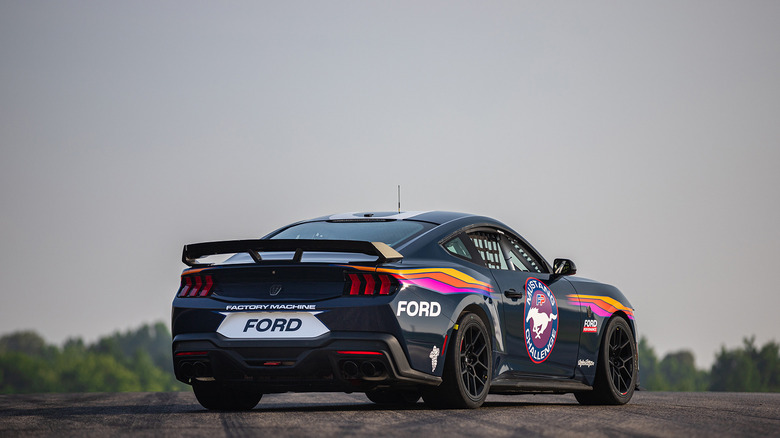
616, 373
393, 397
218, 397
468, 367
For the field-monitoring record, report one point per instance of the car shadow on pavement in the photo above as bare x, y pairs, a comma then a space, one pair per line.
192, 408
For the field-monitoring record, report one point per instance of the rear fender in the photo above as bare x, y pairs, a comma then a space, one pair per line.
428, 337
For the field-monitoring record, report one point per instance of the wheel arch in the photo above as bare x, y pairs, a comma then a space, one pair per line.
632, 326
491, 323
482, 314
473, 308
628, 320
603, 334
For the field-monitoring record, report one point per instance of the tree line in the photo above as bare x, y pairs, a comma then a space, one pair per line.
743, 369
140, 360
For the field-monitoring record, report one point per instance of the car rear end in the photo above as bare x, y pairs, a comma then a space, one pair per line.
300, 314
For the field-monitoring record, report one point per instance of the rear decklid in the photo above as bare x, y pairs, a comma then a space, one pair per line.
290, 270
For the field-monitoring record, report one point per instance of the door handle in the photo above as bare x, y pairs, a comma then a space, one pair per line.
511, 293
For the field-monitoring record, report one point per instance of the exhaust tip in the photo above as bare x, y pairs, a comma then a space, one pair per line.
368, 369
199, 369
185, 369
350, 369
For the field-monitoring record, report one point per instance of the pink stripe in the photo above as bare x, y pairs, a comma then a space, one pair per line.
598, 310
438, 286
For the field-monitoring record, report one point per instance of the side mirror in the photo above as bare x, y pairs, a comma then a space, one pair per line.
564, 267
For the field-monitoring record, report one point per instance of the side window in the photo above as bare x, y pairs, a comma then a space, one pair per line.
515, 261
458, 248
489, 248
521, 258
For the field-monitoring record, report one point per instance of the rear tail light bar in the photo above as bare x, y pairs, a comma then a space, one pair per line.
364, 284
359, 353
191, 353
195, 286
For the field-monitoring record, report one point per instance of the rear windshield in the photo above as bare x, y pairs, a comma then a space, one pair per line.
392, 233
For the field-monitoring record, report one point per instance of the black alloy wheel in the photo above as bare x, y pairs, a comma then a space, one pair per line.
616, 373
474, 360
468, 367
621, 361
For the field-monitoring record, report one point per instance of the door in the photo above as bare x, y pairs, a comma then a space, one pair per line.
541, 329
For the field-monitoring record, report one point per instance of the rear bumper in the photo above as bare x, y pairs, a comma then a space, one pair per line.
337, 361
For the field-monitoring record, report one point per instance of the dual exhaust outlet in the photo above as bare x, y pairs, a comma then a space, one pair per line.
363, 369
191, 370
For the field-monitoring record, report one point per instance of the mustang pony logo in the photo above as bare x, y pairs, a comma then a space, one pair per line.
541, 320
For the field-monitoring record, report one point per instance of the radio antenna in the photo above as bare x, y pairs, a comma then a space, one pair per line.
399, 198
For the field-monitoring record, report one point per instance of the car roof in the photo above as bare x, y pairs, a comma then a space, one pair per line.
434, 217
444, 221
446, 224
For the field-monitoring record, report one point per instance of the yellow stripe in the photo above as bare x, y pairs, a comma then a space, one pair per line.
449, 271
615, 303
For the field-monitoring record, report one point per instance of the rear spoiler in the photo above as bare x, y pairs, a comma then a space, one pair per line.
194, 251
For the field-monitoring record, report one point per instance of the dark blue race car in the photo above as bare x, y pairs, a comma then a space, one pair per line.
444, 306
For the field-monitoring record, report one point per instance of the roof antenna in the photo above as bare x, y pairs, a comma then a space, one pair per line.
399, 198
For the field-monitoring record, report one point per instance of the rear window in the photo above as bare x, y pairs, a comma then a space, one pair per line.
392, 233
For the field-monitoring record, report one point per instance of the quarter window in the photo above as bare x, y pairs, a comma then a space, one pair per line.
457, 247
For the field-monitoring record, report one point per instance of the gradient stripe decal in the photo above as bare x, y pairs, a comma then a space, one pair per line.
600, 305
441, 280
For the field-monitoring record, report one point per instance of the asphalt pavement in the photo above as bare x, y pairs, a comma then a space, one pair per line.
662, 414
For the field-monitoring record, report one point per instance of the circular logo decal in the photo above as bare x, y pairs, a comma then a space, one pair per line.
541, 320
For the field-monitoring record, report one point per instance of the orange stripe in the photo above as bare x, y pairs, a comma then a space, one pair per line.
449, 271
603, 304
448, 276
448, 279
617, 304
192, 271
609, 308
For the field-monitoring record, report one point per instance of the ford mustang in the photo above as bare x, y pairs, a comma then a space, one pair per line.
445, 306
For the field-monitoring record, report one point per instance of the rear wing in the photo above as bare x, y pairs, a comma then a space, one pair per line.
254, 247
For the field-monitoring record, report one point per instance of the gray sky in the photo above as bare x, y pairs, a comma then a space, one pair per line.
640, 139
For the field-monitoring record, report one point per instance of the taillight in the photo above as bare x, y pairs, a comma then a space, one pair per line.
195, 286
186, 284
385, 284
370, 284
198, 283
206, 291
354, 284
369, 289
